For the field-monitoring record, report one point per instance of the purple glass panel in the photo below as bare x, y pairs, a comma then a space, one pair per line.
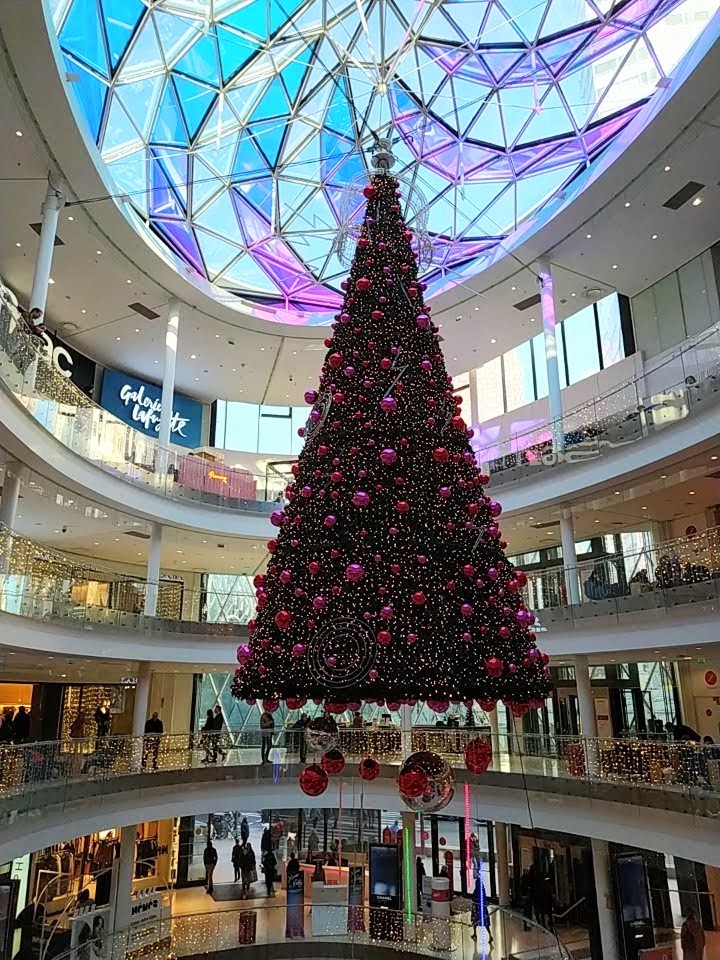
164, 202
254, 227
181, 238
501, 62
639, 12
459, 62
600, 136
526, 157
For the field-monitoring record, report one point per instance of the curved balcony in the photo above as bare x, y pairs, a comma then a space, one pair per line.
44, 605
621, 432
610, 781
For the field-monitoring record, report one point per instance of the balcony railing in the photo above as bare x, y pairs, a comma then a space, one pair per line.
39, 776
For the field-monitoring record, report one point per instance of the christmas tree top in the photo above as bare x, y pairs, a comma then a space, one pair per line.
388, 580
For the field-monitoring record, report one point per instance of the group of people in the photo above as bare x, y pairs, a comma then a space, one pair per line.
15, 727
212, 736
243, 861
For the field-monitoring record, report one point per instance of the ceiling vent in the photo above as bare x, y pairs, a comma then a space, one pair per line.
137, 534
684, 194
36, 227
526, 304
143, 311
545, 524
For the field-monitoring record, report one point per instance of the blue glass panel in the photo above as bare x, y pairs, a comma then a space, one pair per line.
140, 99
121, 19
83, 35
268, 136
204, 183
219, 217
169, 126
273, 103
293, 73
181, 238
234, 51
260, 194
333, 150
119, 132
201, 61
499, 29
144, 56
195, 99
175, 33
281, 11
164, 202
254, 227
90, 92
252, 19
249, 162
175, 165
217, 253
338, 115
247, 275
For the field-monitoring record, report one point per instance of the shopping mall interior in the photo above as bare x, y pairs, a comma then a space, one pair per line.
359, 481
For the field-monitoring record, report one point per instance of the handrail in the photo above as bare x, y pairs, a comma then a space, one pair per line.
561, 916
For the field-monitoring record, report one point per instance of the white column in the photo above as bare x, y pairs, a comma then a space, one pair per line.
153, 569
408, 822
567, 538
547, 305
588, 718
53, 204
405, 730
168, 387
123, 879
605, 900
142, 693
495, 734
503, 863
13, 476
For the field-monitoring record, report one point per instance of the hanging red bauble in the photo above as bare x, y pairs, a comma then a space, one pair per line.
478, 755
412, 782
313, 780
369, 768
332, 762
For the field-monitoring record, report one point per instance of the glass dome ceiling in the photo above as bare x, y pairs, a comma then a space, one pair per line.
230, 127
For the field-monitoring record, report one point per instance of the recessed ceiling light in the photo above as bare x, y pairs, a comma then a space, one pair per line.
217, 336
117, 338
137, 330
71, 219
663, 476
493, 340
614, 266
234, 370
262, 348
83, 310
691, 493
117, 539
513, 288
588, 236
17, 243
643, 508
667, 167
713, 457
573, 294
96, 543
654, 236
532, 319
627, 203
617, 493
128, 280
99, 252
157, 361
597, 521
697, 201
197, 378
193, 356
51, 281
455, 358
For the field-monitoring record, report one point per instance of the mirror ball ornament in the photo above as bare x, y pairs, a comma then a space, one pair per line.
332, 762
313, 780
321, 734
478, 755
369, 769
412, 783
440, 783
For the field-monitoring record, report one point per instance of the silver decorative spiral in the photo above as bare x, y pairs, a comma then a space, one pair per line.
341, 653
322, 405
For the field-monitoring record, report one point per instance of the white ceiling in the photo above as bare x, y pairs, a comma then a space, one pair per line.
274, 364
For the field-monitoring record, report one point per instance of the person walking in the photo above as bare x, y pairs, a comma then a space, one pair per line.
269, 866
151, 743
479, 915
21, 726
419, 874
249, 871
692, 938
237, 857
6, 729
267, 725
219, 722
208, 738
313, 845
244, 830
210, 859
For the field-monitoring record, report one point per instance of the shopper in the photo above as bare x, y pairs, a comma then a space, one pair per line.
681, 731
103, 719
479, 916
313, 845
267, 725
6, 729
207, 739
692, 938
419, 874
219, 722
244, 830
151, 743
249, 870
210, 859
269, 866
237, 857
21, 726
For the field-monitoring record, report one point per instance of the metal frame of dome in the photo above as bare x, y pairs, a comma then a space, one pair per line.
232, 127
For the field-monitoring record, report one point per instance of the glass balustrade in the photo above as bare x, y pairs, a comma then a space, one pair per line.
670, 391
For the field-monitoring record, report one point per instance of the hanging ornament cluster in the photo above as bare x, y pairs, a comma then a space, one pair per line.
388, 578
425, 782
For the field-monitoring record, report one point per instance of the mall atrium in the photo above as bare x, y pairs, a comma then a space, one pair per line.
359, 480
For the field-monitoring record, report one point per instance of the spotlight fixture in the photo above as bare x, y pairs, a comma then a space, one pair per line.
588, 236
697, 201
18, 133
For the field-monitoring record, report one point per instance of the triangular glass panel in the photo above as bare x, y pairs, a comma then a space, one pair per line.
350, 168
556, 20
140, 99
273, 103
169, 126
235, 50
293, 197
306, 163
268, 136
499, 28
164, 201
334, 148
243, 99
246, 275
219, 158
488, 126
219, 217
294, 72
182, 240
249, 162
556, 53
251, 19
119, 134
260, 194
201, 60
551, 119
467, 18
218, 254
281, 13
205, 184
83, 35
598, 137
195, 100
90, 93
121, 20
578, 89
144, 56
254, 227
527, 20
518, 107
534, 191
176, 34
439, 27
175, 165
129, 175
501, 62
299, 133
338, 115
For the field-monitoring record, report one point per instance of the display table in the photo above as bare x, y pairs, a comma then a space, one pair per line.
329, 909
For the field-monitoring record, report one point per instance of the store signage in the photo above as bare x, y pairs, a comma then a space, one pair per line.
222, 477
69, 363
384, 876
138, 403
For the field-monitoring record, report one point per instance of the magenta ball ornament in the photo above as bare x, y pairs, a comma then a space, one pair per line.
244, 654
363, 284
354, 572
361, 499
330, 520
388, 404
466, 610
318, 602
276, 518
494, 667
298, 650
369, 191
388, 456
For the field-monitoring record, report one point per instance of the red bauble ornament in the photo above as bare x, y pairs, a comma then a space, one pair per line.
313, 780
332, 762
478, 755
335, 360
412, 782
369, 768
494, 666
418, 598
440, 455
369, 191
383, 637
363, 284
283, 619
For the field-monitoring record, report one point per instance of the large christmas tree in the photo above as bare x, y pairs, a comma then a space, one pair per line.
388, 579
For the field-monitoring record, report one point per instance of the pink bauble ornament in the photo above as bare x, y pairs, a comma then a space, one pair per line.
354, 572
388, 404
388, 456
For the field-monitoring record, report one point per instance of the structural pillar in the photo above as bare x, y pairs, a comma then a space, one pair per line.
123, 880
408, 823
405, 730
168, 387
53, 204
588, 718
607, 916
502, 862
142, 693
494, 731
547, 305
567, 538
153, 569
12, 481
